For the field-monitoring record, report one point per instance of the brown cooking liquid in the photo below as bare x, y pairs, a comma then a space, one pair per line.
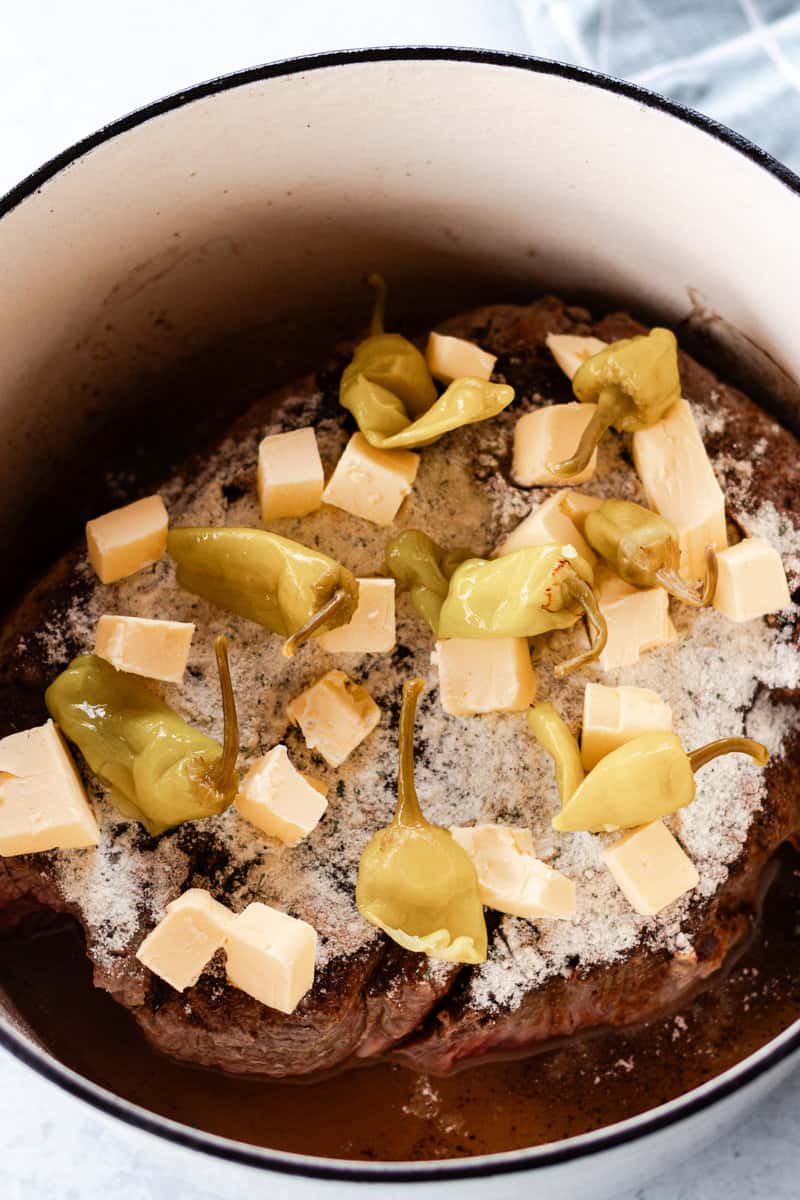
385, 1112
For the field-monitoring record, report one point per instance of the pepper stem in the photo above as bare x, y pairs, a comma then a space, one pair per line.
575, 588
677, 587
315, 622
378, 285
223, 771
590, 439
408, 809
732, 745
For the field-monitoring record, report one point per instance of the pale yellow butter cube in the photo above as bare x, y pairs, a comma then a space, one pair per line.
511, 878
550, 435
279, 800
752, 581
680, 484
271, 956
123, 541
335, 715
155, 649
483, 675
452, 358
290, 478
571, 351
371, 483
613, 716
637, 620
651, 868
547, 524
371, 629
187, 937
43, 804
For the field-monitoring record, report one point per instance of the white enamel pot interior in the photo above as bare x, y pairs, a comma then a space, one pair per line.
264, 198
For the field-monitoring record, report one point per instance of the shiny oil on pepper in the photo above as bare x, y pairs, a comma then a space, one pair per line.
643, 548
648, 777
633, 382
414, 880
389, 390
158, 769
529, 592
278, 583
418, 563
556, 737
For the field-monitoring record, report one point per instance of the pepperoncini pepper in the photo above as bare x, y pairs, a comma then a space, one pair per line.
643, 548
389, 390
418, 563
648, 777
524, 594
280, 584
556, 737
159, 770
414, 880
633, 382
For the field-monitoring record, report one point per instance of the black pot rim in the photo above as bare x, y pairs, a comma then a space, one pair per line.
485, 1166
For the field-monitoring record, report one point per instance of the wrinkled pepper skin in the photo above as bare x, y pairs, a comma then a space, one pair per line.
272, 580
418, 563
649, 777
633, 382
415, 882
159, 770
643, 548
532, 591
518, 595
390, 391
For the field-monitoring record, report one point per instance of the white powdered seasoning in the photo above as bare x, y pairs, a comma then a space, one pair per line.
469, 769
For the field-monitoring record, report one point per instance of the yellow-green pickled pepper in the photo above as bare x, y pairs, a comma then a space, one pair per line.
389, 390
555, 736
276, 582
159, 770
643, 548
529, 592
414, 880
633, 382
648, 777
418, 563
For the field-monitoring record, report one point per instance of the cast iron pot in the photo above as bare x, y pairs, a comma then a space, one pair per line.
257, 201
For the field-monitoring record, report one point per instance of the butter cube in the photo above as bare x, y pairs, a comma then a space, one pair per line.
452, 358
371, 629
752, 581
279, 800
290, 478
546, 524
156, 649
511, 879
186, 938
123, 541
638, 620
550, 435
335, 715
680, 484
483, 675
371, 483
271, 955
613, 716
650, 868
571, 351
43, 804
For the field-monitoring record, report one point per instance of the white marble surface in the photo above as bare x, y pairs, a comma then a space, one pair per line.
65, 69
